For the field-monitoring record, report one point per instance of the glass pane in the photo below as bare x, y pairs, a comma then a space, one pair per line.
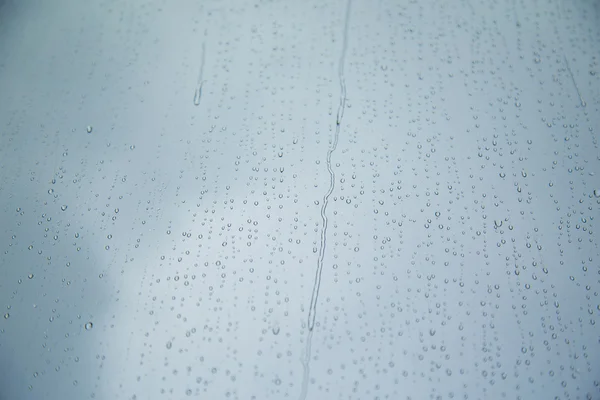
299, 199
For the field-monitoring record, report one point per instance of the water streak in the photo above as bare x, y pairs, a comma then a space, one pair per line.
312, 312
583, 104
198, 92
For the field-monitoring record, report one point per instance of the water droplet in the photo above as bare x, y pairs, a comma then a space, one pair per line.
88, 326
89, 129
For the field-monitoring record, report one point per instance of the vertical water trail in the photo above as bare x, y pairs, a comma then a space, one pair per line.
583, 104
312, 312
198, 93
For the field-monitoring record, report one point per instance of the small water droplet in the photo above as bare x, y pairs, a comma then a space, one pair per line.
88, 326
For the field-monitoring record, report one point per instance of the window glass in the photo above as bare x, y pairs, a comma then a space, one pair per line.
260, 199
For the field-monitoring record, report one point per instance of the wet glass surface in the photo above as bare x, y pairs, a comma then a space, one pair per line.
299, 199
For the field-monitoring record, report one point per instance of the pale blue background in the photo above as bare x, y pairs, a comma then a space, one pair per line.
461, 256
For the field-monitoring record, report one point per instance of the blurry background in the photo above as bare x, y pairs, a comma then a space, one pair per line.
164, 190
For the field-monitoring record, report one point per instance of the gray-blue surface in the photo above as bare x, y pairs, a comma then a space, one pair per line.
299, 199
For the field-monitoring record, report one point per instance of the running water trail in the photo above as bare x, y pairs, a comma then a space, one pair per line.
583, 104
312, 312
198, 92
